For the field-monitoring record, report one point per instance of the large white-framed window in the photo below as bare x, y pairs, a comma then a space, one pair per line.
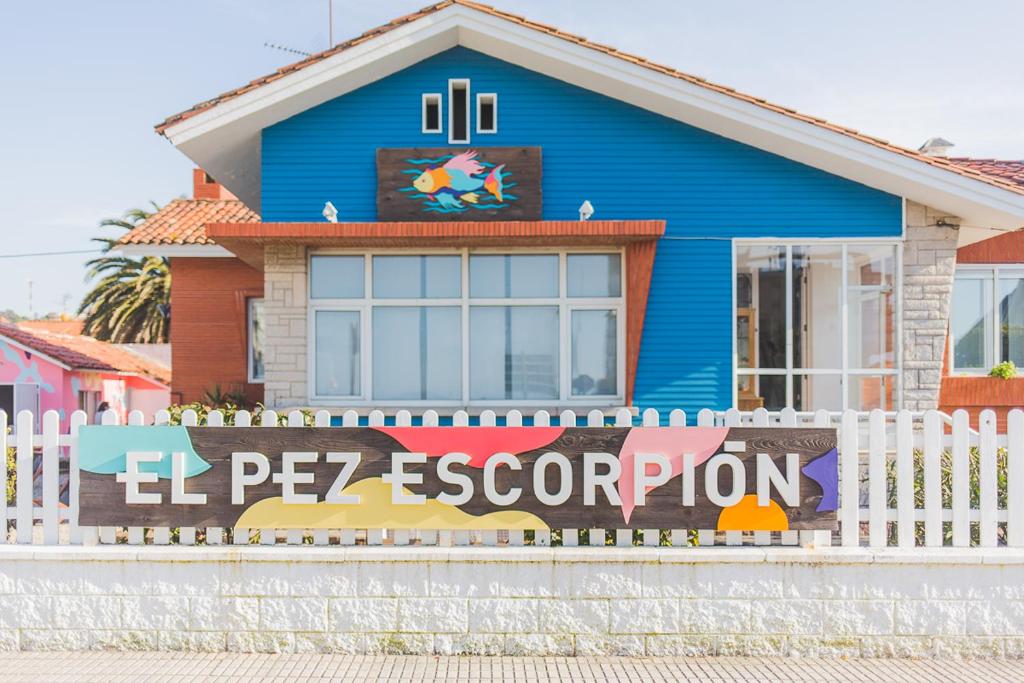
817, 324
255, 340
468, 327
987, 317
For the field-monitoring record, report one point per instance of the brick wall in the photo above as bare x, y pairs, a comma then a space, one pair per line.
929, 266
208, 326
285, 310
536, 601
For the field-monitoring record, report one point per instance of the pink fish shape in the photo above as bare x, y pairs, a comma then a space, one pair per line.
672, 442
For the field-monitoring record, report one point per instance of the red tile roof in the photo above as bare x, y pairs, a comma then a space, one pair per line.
1008, 169
939, 162
85, 353
183, 221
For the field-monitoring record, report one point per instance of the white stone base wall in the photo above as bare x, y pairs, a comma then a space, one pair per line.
829, 602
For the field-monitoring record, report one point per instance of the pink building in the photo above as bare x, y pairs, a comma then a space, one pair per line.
44, 370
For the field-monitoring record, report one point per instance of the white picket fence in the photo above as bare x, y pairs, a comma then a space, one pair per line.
877, 465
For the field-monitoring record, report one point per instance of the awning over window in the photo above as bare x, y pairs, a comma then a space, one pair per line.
639, 237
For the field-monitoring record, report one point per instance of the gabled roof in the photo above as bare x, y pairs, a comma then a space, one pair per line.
79, 352
940, 162
183, 221
222, 134
1007, 169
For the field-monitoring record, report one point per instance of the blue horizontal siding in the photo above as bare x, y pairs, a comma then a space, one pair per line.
630, 163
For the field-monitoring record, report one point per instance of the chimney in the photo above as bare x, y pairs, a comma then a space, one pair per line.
205, 187
935, 147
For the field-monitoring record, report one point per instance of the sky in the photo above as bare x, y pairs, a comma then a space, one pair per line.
83, 83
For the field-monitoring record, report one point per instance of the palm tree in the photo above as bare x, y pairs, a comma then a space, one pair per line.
130, 300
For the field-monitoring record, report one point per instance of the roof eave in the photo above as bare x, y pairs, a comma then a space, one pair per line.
224, 138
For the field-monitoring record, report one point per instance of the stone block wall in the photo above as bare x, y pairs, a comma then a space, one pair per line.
537, 601
285, 355
929, 267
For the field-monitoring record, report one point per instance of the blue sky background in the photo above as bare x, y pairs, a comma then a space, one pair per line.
82, 84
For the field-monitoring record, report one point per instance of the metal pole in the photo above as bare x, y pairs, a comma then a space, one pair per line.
330, 23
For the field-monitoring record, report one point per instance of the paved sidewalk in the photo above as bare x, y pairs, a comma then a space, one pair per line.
51, 667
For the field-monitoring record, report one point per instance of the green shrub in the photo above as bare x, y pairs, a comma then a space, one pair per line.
229, 411
1005, 370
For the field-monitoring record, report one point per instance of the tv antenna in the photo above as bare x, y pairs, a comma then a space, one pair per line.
304, 53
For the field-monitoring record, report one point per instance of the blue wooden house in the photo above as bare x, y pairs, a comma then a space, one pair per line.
464, 209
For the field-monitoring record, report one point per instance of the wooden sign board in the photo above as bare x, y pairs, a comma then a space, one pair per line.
459, 184
460, 477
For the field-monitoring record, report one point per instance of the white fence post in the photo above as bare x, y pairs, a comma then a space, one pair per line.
905, 479
51, 477
240, 535
878, 476
24, 465
214, 534
961, 490
932, 455
849, 480
1015, 478
268, 419
988, 501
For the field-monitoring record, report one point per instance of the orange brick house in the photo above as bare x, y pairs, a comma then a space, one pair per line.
987, 315
214, 295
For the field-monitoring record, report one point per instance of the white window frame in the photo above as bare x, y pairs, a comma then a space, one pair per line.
565, 304
249, 305
991, 272
452, 82
425, 100
844, 371
479, 103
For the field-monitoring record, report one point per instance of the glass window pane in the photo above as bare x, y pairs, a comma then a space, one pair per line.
594, 353
596, 275
871, 328
817, 392
417, 352
763, 270
513, 352
1011, 319
762, 391
522, 276
337, 353
336, 277
417, 277
868, 392
256, 369
817, 307
871, 265
972, 323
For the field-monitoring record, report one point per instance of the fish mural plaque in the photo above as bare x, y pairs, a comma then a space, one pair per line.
459, 184
724, 478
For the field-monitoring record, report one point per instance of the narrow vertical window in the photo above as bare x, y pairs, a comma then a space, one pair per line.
487, 113
256, 368
432, 112
458, 110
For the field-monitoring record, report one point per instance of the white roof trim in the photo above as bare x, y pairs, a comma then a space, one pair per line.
175, 250
224, 139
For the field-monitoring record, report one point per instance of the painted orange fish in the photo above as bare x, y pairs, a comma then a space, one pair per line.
458, 181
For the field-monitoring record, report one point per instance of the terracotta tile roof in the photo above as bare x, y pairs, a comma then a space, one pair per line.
85, 353
183, 221
1008, 169
939, 162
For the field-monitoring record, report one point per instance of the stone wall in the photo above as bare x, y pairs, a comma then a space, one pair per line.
929, 266
537, 601
285, 354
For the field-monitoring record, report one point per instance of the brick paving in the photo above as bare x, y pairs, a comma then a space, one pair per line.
111, 667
